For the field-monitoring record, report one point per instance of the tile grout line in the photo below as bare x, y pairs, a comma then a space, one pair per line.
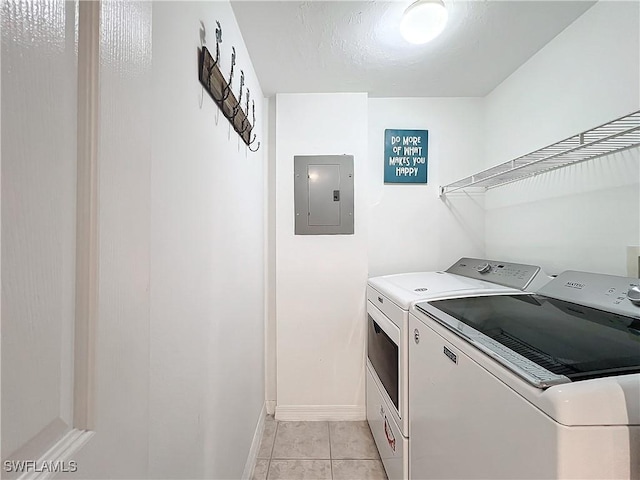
310, 459
330, 452
273, 446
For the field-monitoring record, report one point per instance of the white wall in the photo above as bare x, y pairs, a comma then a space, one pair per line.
411, 228
320, 280
581, 217
207, 258
271, 369
180, 344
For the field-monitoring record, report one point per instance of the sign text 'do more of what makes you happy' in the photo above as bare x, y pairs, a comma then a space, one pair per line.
406, 156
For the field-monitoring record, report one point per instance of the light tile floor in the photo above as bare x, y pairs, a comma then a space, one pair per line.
317, 451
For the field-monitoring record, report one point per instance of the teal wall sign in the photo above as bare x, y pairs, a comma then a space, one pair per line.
405, 156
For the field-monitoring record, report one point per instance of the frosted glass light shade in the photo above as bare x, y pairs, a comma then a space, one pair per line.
423, 21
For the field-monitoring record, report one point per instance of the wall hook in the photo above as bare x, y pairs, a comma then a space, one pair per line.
221, 91
207, 56
253, 109
207, 68
218, 40
246, 116
227, 88
236, 107
209, 75
257, 146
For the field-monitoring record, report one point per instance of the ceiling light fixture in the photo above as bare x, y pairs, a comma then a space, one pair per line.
423, 21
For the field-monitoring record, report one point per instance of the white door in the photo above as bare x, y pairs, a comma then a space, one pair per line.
45, 247
39, 108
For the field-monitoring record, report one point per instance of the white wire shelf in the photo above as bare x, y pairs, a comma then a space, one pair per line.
615, 136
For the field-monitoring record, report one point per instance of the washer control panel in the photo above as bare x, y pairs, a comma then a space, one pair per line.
514, 275
604, 292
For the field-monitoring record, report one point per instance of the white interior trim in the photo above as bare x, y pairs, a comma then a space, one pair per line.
59, 458
316, 413
87, 213
271, 407
271, 368
255, 446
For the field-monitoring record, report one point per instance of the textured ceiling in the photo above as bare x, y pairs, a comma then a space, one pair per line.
355, 46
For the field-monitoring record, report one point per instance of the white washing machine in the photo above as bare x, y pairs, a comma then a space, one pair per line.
535, 386
388, 301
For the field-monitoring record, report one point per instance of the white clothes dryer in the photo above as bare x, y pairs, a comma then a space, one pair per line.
388, 301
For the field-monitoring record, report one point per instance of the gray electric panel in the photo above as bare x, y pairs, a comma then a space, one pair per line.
323, 194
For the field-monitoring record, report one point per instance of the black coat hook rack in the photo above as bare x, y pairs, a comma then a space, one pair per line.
221, 92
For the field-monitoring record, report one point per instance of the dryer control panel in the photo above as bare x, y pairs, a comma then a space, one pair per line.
514, 275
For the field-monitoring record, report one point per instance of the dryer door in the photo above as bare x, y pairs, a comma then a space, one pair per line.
383, 338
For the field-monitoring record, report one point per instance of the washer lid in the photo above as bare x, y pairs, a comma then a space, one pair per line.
599, 350
406, 288
566, 339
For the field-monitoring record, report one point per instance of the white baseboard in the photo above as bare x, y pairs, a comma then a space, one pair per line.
271, 407
255, 446
316, 413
